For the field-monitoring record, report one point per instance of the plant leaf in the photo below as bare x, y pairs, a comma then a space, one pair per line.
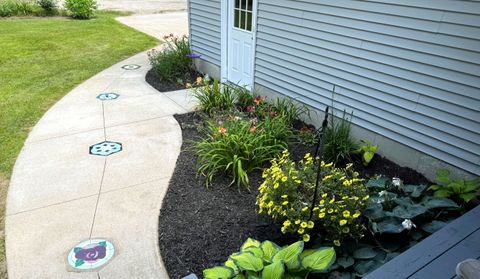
415, 191
377, 183
431, 203
229, 263
320, 260
390, 225
364, 253
254, 250
434, 226
247, 261
408, 212
250, 242
364, 267
375, 212
345, 262
289, 252
274, 270
218, 272
269, 250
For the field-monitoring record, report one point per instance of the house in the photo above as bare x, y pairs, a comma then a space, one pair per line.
409, 70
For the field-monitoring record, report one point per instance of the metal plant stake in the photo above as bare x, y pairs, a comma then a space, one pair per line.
319, 152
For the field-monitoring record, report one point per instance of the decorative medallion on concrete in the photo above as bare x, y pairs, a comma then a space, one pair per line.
105, 148
108, 96
131, 67
91, 254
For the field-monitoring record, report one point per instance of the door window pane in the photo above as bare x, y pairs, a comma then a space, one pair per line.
249, 5
236, 18
237, 4
243, 19
249, 21
242, 14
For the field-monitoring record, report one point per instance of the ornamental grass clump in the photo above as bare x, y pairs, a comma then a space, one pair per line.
174, 61
237, 146
287, 192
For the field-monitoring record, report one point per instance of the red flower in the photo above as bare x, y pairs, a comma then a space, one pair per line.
222, 130
252, 129
250, 108
258, 100
273, 114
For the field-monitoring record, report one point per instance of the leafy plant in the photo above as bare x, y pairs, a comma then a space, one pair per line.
269, 261
48, 5
338, 142
172, 62
458, 189
366, 150
17, 8
287, 192
81, 9
238, 146
307, 136
215, 97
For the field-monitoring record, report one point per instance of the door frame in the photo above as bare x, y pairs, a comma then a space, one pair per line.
225, 12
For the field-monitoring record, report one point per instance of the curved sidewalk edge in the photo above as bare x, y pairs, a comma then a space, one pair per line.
65, 190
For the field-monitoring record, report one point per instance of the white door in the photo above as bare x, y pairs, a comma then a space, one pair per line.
240, 42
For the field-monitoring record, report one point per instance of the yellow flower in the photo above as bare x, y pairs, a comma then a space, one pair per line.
329, 165
306, 237
188, 85
324, 195
303, 224
322, 201
285, 203
315, 209
356, 215
275, 186
336, 242
284, 196
270, 204
287, 223
307, 156
321, 215
310, 224
332, 200
297, 222
366, 197
343, 222
284, 230
298, 181
346, 214
301, 231
330, 210
284, 179
304, 209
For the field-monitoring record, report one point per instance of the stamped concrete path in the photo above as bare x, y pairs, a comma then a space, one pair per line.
61, 194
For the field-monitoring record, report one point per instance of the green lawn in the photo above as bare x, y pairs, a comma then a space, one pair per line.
42, 59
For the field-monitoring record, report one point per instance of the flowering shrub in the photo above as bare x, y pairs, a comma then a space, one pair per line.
237, 146
174, 61
287, 194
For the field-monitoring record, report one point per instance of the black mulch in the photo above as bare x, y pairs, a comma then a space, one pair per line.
201, 227
165, 86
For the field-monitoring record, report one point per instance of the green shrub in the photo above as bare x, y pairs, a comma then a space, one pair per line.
172, 62
460, 190
17, 8
215, 97
338, 143
238, 146
287, 192
268, 260
48, 5
81, 9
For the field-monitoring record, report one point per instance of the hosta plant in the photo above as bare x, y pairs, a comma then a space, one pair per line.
287, 193
460, 190
366, 150
269, 261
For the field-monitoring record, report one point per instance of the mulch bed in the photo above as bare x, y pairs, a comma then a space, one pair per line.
165, 86
200, 227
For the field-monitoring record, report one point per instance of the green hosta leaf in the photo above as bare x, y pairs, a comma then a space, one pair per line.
307, 252
229, 263
375, 212
254, 250
390, 225
362, 268
364, 253
269, 250
472, 185
320, 260
253, 275
247, 261
345, 262
443, 193
405, 201
408, 212
274, 270
377, 183
415, 191
434, 226
288, 253
431, 203
443, 176
294, 263
240, 276
468, 196
367, 157
250, 243
435, 187
219, 272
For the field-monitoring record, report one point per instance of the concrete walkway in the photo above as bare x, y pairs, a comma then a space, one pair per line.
60, 195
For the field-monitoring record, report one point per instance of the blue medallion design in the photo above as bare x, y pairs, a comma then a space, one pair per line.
108, 96
105, 148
